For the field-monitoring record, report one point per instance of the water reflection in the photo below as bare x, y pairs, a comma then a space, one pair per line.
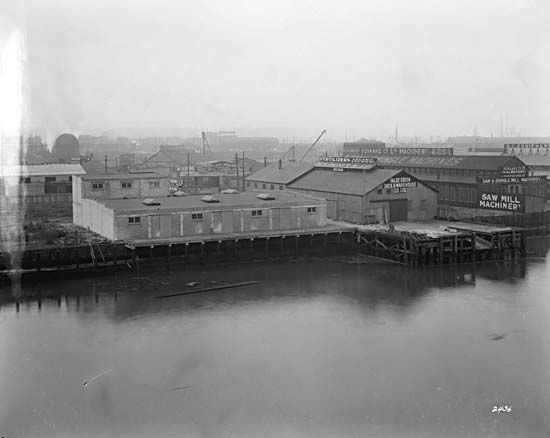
126, 296
320, 347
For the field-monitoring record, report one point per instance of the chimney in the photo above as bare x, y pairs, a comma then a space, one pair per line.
280, 164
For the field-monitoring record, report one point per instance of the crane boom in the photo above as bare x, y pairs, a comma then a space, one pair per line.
313, 144
291, 148
205, 145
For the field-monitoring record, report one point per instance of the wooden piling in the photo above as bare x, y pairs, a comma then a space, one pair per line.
474, 249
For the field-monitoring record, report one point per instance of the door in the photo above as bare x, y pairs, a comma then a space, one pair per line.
398, 210
332, 209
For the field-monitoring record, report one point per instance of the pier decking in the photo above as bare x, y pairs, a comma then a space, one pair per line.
408, 243
440, 242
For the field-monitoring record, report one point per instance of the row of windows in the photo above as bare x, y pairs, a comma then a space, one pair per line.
457, 194
200, 216
124, 184
264, 186
48, 179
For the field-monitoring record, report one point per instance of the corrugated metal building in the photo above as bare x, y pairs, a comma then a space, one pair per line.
369, 196
276, 176
45, 188
116, 186
179, 217
462, 180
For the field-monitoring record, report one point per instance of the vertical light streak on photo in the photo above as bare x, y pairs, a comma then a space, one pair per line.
12, 121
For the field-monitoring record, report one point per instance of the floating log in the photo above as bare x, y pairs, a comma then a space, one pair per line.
208, 289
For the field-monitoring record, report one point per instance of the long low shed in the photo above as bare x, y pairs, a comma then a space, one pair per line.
176, 217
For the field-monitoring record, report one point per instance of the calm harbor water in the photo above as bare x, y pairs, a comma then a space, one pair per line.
322, 347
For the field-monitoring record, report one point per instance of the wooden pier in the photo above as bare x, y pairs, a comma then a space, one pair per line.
408, 243
441, 243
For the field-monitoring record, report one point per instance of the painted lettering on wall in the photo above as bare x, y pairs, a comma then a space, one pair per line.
400, 184
501, 202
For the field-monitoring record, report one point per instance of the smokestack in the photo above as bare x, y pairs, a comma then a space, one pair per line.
280, 164
265, 161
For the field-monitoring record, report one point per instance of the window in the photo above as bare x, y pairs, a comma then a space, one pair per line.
281, 187
263, 186
196, 216
50, 179
423, 204
255, 185
312, 209
248, 184
272, 187
26, 180
380, 191
256, 212
154, 184
453, 194
134, 220
388, 191
97, 186
70, 178
126, 184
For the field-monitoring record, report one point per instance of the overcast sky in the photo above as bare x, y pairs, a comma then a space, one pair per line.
355, 68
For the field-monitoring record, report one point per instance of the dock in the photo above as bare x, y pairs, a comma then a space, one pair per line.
413, 244
440, 242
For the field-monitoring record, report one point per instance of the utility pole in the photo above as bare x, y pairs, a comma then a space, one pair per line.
244, 173
237, 165
105, 163
188, 165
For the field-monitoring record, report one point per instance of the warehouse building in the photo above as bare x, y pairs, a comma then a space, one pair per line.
180, 217
116, 186
463, 180
45, 188
358, 191
276, 176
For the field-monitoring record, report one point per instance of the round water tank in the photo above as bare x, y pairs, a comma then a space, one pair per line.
66, 147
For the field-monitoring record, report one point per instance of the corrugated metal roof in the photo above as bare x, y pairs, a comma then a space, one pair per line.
122, 176
43, 170
351, 182
272, 174
477, 162
244, 200
535, 159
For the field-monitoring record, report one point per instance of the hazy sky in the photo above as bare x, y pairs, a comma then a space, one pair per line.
351, 67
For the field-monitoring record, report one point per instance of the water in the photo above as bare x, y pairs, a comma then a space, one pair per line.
320, 348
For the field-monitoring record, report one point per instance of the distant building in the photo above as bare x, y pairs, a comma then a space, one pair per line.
46, 189
181, 218
171, 156
116, 186
276, 176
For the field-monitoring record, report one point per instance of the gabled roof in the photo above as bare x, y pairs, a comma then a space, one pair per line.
272, 174
477, 162
42, 170
350, 182
173, 156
